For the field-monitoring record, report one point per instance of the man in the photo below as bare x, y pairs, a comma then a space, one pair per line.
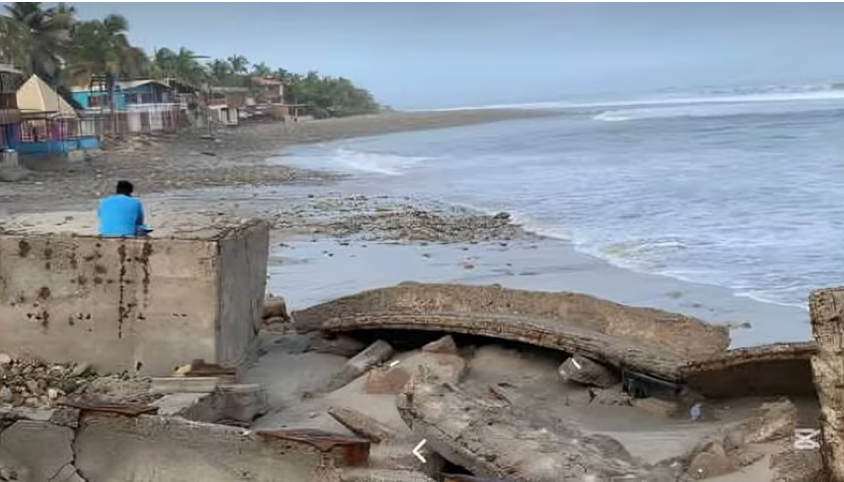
121, 215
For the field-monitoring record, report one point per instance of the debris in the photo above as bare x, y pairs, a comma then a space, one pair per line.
493, 441
695, 412
711, 461
584, 371
340, 345
645, 340
276, 307
386, 381
657, 406
798, 466
376, 353
168, 385
362, 425
443, 345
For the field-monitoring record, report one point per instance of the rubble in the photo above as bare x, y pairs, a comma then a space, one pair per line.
582, 370
360, 364
497, 441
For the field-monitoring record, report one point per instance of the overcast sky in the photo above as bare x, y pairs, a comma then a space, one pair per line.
416, 55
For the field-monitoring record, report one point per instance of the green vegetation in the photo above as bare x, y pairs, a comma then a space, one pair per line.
65, 51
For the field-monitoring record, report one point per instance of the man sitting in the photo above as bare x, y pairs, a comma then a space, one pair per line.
121, 215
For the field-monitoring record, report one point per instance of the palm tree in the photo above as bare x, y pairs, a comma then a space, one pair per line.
48, 34
239, 64
219, 70
262, 70
102, 48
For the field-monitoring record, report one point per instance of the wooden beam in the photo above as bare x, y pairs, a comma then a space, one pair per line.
827, 311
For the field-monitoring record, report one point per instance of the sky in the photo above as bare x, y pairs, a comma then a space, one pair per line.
432, 55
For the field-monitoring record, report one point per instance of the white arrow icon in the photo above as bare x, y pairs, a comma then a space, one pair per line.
417, 449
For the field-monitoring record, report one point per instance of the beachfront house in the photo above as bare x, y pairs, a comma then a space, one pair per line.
130, 106
49, 124
227, 105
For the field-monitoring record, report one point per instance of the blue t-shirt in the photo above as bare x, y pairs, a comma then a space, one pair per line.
120, 216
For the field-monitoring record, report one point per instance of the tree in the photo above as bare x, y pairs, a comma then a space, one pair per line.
219, 71
239, 64
182, 65
262, 70
48, 36
100, 47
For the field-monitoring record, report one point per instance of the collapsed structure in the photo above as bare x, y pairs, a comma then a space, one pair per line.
183, 313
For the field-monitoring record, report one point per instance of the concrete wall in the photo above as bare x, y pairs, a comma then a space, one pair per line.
140, 305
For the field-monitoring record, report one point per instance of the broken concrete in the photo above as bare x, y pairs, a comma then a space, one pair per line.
143, 306
376, 353
494, 441
641, 339
582, 370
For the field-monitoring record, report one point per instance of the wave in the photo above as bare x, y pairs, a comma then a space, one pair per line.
715, 96
380, 163
756, 105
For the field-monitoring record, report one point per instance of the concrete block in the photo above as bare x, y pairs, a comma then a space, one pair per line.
184, 405
144, 306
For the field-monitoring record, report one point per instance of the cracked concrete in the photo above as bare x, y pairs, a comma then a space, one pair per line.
39, 451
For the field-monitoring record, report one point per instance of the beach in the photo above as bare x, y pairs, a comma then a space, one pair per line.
337, 233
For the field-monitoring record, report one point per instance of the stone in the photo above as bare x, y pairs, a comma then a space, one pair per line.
609, 396
361, 363
443, 345
797, 466
711, 461
65, 417
276, 307
243, 402
444, 367
386, 381
584, 371
80, 369
5, 359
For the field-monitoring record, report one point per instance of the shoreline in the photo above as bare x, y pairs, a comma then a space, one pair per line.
236, 156
325, 229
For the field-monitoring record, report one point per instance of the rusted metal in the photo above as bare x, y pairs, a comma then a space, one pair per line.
128, 409
201, 369
352, 451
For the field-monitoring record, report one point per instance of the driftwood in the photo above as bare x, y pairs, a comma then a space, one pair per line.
362, 425
495, 441
777, 369
827, 309
686, 337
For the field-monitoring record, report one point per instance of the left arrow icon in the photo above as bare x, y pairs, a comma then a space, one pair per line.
417, 449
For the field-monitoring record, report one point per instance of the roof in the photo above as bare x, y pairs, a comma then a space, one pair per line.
131, 84
6, 68
36, 97
265, 82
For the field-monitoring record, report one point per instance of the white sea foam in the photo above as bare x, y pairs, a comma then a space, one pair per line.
380, 163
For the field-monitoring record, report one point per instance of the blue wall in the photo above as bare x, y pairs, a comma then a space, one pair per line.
57, 147
83, 98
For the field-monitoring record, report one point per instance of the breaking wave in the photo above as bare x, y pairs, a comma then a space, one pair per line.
380, 163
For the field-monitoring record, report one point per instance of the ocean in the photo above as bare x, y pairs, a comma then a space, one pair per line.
743, 190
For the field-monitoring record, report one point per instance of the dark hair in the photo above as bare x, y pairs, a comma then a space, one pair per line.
125, 188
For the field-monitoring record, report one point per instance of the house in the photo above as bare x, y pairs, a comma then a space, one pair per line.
132, 106
270, 91
228, 104
49, 124
10, 116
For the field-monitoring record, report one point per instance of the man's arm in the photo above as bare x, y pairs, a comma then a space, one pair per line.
139, 221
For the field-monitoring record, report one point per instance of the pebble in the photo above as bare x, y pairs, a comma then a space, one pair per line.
5, 359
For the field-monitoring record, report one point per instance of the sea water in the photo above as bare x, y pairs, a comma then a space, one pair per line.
744, 191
